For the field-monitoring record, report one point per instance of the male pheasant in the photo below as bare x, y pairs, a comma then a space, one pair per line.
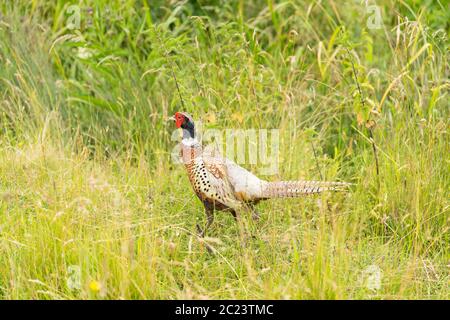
223, 185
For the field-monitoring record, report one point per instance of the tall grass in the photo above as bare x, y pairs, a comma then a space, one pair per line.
91, 205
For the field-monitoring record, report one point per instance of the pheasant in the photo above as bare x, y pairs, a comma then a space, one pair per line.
223, 185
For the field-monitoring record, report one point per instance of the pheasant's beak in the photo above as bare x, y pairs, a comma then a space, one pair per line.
172, 118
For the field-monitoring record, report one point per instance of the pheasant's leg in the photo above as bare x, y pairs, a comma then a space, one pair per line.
209, 220
209, 217
255, 213
233, 212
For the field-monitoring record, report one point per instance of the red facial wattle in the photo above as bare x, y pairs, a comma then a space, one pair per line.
179, 119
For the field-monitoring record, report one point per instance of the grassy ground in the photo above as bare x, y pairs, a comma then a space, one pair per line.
91, 205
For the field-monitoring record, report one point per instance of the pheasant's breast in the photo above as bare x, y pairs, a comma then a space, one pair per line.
204, 187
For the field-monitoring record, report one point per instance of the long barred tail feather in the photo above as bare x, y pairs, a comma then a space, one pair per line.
286, 189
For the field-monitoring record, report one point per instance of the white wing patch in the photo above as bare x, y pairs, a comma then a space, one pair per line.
245, 185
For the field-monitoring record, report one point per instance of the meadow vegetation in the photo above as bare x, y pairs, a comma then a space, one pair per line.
91, 205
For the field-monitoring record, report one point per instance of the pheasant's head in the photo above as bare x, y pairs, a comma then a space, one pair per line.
182, 120
185, 122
